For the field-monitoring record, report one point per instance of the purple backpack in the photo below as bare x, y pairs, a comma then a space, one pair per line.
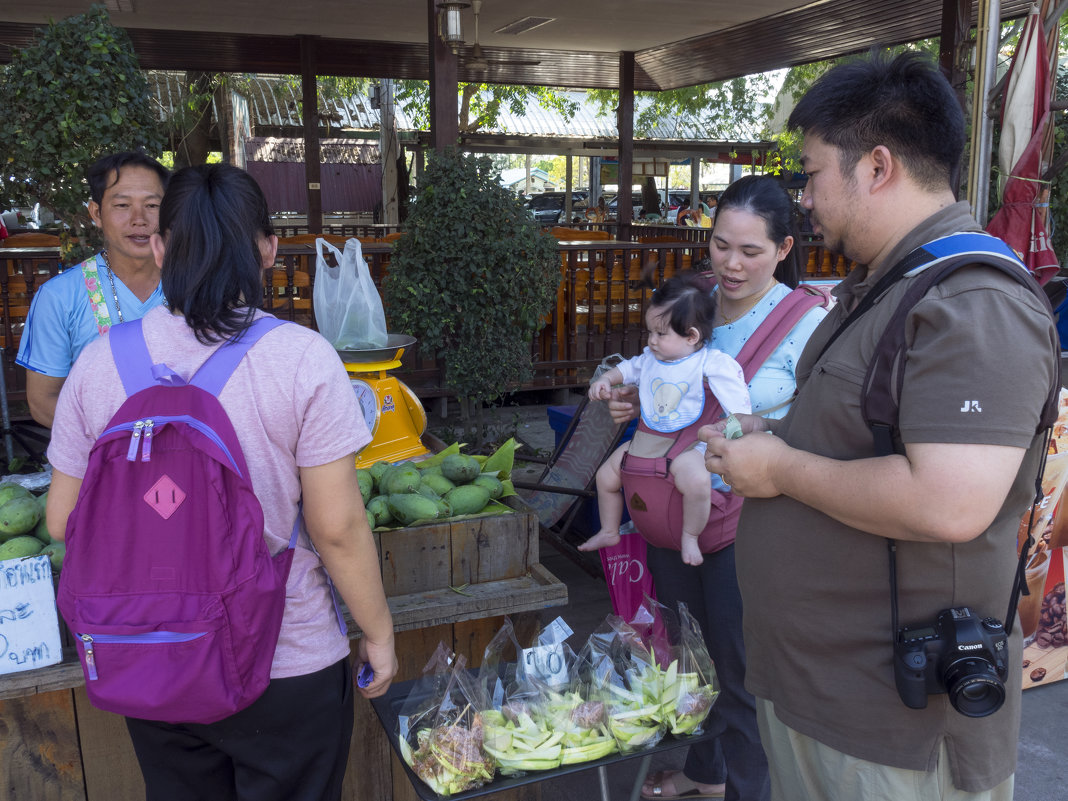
168, 586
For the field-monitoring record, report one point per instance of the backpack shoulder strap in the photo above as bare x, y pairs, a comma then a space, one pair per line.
131, 356
780, 322
879, 401
216, 371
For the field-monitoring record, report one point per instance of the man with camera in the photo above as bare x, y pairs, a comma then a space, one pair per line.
881, 678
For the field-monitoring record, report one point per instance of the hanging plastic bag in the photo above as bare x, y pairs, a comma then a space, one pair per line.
439, 727
348, 307
689, 683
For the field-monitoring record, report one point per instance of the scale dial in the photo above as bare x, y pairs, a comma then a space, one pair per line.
368, 403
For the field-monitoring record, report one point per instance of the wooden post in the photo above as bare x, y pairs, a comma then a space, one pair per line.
310, 100
444, 114
953, 54
625, 123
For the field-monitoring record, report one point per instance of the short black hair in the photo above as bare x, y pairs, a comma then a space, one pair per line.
688, 302
765, 197
213, 218
903, 103
100, 171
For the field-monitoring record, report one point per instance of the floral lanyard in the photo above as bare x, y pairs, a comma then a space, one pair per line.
97, 302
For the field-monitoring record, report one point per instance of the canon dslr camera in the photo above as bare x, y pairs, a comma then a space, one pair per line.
960, 654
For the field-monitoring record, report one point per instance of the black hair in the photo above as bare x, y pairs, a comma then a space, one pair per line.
903, 103
100, 171
213, 218
691, 304
765, 197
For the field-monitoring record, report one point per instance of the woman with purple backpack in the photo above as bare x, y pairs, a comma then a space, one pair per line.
285, 399
763, 321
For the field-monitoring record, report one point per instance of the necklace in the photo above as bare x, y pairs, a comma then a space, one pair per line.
728, 320
111, 280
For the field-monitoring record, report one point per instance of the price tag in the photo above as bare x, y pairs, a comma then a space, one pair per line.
547, 663
29, 626
555, 632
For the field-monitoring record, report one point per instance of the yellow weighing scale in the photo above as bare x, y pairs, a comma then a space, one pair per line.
391, 410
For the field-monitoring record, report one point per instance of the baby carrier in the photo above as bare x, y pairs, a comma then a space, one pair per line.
649, 489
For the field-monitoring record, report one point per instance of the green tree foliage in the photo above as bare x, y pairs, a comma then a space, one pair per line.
74, 95
725, 110
472, 278
481, 103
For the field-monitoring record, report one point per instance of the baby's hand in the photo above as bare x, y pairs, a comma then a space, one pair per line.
600, 390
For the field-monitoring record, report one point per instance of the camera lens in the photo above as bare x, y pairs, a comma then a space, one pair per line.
974, 687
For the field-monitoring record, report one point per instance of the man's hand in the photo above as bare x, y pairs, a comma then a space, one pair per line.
744, 463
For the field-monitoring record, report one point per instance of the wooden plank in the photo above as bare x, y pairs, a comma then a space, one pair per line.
39, 756
493, 598
369, 766
111, 769
416, 558
491, 548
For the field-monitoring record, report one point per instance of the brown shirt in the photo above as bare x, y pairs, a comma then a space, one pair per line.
816, 592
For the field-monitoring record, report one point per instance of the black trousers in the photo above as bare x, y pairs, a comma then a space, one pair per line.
710, 592
291, 744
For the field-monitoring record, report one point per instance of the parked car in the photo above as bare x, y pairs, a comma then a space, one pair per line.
548, 207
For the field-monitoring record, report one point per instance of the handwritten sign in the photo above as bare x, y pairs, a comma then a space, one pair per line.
29, 627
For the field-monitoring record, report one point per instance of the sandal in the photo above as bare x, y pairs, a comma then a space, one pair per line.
660, 777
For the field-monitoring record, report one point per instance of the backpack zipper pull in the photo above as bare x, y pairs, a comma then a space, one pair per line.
135, 440
90, 655
146, 446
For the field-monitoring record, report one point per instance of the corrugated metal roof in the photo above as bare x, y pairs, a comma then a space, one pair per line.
275, 103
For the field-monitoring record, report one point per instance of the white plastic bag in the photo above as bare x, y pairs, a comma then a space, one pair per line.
348, 308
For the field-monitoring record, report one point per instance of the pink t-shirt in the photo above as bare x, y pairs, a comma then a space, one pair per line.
292, 406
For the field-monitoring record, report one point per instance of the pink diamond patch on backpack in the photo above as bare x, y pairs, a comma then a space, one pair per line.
174, 600
164, 496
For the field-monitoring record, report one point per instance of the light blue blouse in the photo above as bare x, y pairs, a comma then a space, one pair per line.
774, 382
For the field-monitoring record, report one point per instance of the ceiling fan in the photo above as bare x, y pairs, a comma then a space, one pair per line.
474, 59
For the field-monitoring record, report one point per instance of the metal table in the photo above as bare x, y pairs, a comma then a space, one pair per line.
388, 707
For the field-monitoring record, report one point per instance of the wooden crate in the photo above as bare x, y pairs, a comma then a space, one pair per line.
455, 553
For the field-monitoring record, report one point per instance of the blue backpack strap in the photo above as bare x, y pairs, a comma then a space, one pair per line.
131, 356
216, 371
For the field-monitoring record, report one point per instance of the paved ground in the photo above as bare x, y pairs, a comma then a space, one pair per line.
1043, 746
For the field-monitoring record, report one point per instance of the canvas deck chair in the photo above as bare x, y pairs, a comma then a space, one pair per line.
569, 479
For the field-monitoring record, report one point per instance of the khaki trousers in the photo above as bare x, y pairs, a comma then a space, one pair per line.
803, 769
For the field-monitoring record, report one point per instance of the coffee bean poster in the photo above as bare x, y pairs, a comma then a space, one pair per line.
1042, 610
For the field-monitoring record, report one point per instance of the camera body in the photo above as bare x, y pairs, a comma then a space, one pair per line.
960, 654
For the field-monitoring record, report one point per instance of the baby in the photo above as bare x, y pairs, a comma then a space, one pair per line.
671, 374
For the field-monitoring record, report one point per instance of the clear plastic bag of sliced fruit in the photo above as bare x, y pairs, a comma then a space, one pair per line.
580, 713
689, 686
440, 727
629, 683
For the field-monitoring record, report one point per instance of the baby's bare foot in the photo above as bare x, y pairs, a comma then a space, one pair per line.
602, 539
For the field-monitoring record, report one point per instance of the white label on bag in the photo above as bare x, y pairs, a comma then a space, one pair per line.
547, 663
555, 632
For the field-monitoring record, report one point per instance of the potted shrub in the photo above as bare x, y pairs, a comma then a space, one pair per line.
473, 279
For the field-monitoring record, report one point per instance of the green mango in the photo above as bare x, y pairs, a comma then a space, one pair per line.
24, 546
379, 507
468, 499
411, 507
370, 518
41, 531
19, 516
460, 469
377, 469
433, 470
438, 483
10, 490
427, 492
403, 478
444, 510
366, 482
492, 485
55, 553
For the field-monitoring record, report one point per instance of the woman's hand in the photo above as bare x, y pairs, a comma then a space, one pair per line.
623, 405
382, 657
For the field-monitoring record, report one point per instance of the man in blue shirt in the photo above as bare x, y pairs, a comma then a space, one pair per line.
118, 284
